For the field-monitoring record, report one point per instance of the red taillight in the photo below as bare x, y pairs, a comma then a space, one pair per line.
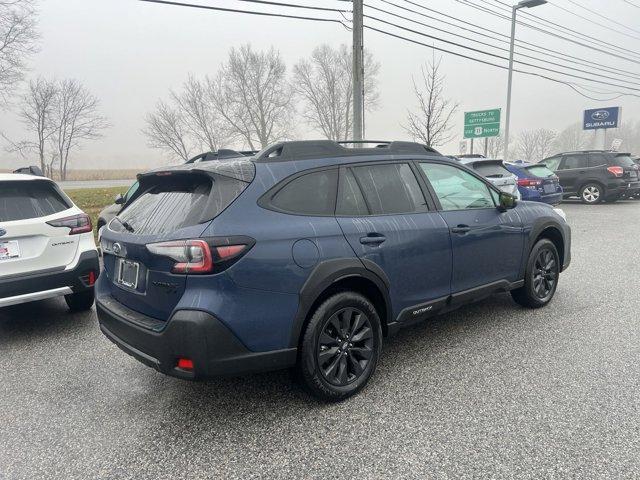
185, 363
92, 278
616, 171
80, 223
195, 256
527, 182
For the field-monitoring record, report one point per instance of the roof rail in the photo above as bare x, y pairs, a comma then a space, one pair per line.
221, 155
307, 149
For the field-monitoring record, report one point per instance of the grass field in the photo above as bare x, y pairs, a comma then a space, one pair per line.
93, 200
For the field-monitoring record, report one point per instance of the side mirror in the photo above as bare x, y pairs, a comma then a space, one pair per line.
507, 201
119, 200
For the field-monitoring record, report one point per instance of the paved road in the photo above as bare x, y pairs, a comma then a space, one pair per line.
75, 184
491, 390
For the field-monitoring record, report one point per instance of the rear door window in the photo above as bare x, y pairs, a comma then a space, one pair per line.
309, 194
351, 202
30, 199
169, 203
390, 189
597, 160
574, 161
491, 170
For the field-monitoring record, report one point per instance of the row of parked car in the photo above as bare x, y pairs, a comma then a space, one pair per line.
594, 176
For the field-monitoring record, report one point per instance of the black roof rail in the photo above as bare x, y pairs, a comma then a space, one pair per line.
307, 149
221, 155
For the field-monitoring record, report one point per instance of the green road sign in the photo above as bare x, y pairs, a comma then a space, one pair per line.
479, 131
483, 123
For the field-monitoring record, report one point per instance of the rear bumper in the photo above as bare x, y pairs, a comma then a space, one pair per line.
191, 334
536, 196
47, 284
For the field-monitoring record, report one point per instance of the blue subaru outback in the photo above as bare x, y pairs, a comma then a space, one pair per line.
308, 254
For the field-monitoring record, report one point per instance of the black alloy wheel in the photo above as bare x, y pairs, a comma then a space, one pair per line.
545, 274
345, 346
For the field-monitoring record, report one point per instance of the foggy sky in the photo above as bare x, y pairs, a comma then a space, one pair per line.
129, 54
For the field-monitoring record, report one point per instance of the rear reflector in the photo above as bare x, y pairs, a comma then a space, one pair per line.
80, 223
185, 363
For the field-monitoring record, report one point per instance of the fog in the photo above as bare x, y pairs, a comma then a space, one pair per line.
129, 54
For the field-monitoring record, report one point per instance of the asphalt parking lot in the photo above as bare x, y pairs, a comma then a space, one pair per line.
491, 390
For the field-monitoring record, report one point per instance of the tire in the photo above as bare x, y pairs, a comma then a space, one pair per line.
541, 276
592, 193
332, 366
80, 301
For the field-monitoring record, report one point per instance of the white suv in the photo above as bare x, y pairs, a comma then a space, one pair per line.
46, 244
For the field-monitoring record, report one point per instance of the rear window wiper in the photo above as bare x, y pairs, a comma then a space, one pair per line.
127, 227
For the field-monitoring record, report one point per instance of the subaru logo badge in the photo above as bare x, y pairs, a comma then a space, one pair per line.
3, 232
117, 248
600, 115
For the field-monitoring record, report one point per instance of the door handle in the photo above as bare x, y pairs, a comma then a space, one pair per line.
461, 229
372, 239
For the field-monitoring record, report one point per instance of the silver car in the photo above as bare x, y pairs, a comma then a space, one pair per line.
495, 172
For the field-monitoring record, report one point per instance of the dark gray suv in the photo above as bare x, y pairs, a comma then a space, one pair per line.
596, 175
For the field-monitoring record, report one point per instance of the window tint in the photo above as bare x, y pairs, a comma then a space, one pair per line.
597, 160
574, 161
457, 189
29, 199
170, 203
491, 169
350, 199
310, 194
540, 171
390, 189
552, 163
132, 189
623, 161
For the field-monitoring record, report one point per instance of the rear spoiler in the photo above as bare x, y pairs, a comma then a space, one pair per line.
32, 170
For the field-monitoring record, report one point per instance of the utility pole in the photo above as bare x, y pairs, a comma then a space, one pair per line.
514, 12
358, 70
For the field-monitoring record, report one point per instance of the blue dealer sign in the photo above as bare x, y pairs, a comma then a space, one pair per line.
601, 118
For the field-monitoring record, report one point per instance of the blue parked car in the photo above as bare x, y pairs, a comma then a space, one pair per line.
536, 182
308, 254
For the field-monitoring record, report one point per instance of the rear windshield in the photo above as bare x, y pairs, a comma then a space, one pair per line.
166, 204
491, 170
623, 161
540, 171
29, 199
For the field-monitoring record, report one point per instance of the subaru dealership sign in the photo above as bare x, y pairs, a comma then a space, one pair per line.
597, 118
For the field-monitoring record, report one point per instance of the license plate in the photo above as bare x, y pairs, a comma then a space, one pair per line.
9, 250
128, 273
549, 189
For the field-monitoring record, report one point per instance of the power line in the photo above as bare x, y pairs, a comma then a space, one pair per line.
524, 55
494, 55
249, 12
545, 25
533, 27
292, 5
461, 55
587, 19
600, 15
505, 39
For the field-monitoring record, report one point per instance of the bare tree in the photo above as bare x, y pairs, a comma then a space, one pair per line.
432, 123
18, 41
36, 109
324, 82
201, 119
534, 145
252, 94
495, 146
76, 118
572, 138
167, 130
